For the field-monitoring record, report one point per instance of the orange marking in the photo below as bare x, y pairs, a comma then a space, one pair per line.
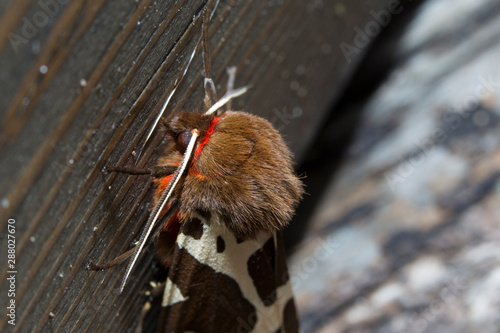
163, 183
193, 171
172, 224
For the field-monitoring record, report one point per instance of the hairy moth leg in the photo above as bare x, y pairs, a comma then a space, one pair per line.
99, 267
154, 172
155, 292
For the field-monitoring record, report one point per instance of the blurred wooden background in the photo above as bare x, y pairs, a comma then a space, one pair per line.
81, 82
406, 236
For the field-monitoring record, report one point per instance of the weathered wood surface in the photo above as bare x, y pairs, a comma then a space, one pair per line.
81, 82
407, 236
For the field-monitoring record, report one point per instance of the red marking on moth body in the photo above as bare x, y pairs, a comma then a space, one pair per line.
206, 137
193, 171
172, 224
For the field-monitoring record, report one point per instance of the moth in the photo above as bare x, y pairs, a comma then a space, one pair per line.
225, 188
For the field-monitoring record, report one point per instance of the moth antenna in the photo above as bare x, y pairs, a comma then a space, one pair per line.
212, 10
208, 83
164, 107
209, 12
226, 98
160, 205
231, 72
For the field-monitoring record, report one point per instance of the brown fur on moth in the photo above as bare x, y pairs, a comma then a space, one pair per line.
241, 169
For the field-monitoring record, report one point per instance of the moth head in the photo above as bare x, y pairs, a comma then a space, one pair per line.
183, 123
240, 169
181, 126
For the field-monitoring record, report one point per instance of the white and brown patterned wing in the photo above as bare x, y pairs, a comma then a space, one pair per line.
218, 283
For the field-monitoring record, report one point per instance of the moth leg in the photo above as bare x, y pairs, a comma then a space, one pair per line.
210, 93
142, 316
231, 72
155, 172
96, 267
156, 291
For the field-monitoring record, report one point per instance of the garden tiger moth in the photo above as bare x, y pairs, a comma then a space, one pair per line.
225, 188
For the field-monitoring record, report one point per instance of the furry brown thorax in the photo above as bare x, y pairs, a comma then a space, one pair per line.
241, 170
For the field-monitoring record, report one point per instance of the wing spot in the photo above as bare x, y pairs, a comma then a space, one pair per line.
193, 228
261, 268
221, 245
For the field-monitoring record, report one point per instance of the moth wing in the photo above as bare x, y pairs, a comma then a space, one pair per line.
217, 283
290, 322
